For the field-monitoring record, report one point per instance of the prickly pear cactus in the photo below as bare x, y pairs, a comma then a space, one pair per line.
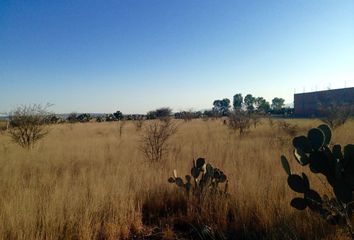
335, 163
204, 178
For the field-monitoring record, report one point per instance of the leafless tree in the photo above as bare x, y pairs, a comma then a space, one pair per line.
154, 141
28, 124
336, 115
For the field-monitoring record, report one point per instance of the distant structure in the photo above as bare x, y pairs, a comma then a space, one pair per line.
308, 104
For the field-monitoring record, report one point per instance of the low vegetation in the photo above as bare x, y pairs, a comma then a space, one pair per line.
83, 181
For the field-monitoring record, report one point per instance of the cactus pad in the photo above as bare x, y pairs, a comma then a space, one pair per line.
302, 143
327, 133
285, 164
200, 162
299, 203
296, 183
316, 138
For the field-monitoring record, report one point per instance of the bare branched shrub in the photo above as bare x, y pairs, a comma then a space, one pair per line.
121, 127
289, 129
335, 116
28, 125
239, 121
139, 124
154, 142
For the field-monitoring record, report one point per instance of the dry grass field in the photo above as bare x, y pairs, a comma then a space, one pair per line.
84, 181
2, 125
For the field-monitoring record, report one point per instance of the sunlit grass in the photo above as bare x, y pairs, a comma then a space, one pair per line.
84, 181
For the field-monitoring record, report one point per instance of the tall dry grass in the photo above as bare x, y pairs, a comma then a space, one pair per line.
84, 181
3, 125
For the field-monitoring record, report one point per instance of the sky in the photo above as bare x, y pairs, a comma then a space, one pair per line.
138, 55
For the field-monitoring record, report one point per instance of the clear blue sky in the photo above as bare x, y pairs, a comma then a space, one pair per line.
137, 55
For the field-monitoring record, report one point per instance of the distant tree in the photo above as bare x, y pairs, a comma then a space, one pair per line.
262, 106
118, 115
249, 102
160, 113
208, 113
185, 115
72, 118
84, 117
129, 117
52, 119
151, 115
110, 117
164, 112
99, 119
277, 103
188, 115
237, 101
221, 107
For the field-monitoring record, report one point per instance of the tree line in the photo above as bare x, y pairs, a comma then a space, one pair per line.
249, 103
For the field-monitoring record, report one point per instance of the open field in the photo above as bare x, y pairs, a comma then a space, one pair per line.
84, 181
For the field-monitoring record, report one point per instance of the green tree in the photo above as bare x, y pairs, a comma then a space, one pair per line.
84, 117
221, 107
277, 103
161, 113
249, 102
237, 101
118, 115
262, 105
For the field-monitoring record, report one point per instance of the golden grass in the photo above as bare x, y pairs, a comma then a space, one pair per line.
83, 181
3, 125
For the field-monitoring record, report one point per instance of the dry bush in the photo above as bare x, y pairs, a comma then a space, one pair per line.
154, 142
121, 127
289, 129
239, 121
28, 125
139, 124
336, 116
